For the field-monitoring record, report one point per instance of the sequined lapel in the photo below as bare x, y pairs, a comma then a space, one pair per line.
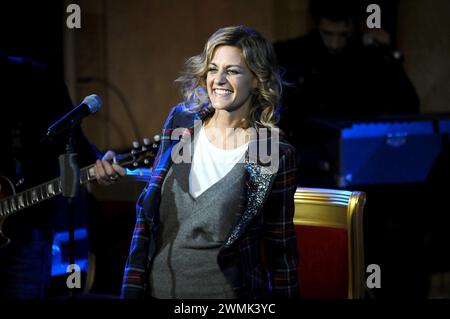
258, 185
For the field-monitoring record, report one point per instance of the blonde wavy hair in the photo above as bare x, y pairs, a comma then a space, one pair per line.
260, 57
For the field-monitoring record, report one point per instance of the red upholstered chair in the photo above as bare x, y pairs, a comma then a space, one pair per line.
329, 226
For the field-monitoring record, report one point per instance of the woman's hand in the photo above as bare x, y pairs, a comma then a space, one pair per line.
107, 173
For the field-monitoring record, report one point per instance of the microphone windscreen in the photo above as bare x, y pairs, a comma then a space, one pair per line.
93, 101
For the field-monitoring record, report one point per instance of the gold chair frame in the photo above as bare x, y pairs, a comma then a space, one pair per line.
337, 209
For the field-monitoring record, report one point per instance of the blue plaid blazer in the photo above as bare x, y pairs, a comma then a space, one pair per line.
259, 257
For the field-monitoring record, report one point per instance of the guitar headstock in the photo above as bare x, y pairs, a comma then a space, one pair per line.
141, 155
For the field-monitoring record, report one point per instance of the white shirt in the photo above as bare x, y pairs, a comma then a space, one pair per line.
211, 163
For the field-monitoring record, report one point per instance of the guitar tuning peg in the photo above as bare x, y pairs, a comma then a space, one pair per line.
146, 141
157, 138
135, 148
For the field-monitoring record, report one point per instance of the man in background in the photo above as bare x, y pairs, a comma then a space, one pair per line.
337, 72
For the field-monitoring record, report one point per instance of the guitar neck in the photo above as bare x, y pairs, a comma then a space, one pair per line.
37, 194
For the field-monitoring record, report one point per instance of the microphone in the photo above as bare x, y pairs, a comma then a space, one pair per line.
90, 104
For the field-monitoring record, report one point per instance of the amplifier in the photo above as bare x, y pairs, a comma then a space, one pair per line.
387, 153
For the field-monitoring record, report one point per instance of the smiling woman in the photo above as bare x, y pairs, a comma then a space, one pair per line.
230, 85
229, 81
219, 225
253, 53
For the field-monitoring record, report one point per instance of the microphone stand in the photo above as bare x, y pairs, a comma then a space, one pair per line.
70, 184
69, 170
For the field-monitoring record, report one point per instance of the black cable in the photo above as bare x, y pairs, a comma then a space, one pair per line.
121, 97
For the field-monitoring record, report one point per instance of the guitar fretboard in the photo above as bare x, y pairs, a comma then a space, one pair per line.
37, 194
